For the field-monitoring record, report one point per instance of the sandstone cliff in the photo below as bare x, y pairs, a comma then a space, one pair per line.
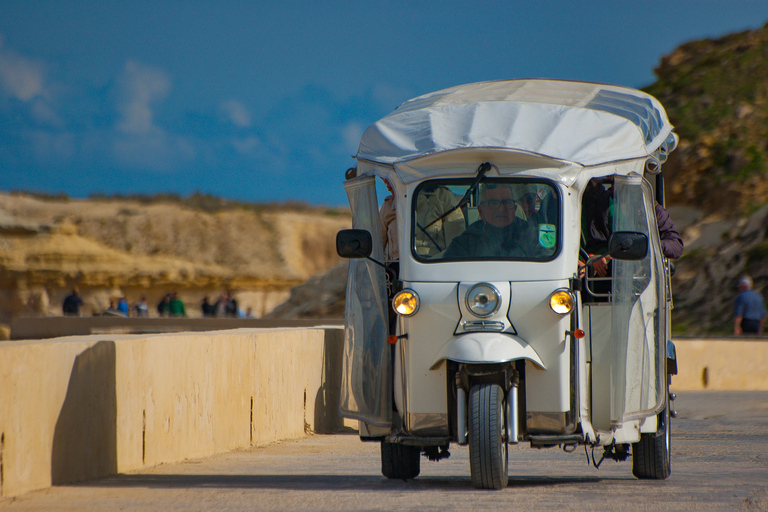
118, 247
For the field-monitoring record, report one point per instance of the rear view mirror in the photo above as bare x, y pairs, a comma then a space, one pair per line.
354, 243
627, 245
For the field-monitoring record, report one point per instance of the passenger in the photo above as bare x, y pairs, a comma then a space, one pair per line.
671, 241
432, 236
388, 219
596, 225
527, 203
498, 233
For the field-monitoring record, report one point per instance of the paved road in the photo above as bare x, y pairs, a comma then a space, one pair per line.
720, 462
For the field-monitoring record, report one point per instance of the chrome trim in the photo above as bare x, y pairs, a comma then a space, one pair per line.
415, 295
512, 423
483, 325
573, 301
498, 299
461, 416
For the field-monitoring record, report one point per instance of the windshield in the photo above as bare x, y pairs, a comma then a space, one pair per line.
503, 219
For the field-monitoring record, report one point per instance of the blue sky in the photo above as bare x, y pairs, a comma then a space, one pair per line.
266, 101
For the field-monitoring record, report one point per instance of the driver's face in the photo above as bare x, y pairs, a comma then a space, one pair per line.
501, 198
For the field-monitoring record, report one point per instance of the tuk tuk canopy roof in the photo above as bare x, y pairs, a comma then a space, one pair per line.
582, 123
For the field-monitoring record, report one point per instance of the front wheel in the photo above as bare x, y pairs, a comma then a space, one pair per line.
399, 461
488, 453
651, 455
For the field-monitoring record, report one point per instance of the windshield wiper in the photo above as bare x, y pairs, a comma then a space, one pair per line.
484, 167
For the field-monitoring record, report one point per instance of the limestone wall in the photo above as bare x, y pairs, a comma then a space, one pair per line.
82, 407
721, 364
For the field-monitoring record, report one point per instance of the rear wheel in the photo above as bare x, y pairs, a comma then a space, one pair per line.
399, 461
650, 456
488, 454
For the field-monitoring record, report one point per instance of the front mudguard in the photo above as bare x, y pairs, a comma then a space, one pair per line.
487, 348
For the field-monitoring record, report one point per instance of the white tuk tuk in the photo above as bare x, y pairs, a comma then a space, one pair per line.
490, 326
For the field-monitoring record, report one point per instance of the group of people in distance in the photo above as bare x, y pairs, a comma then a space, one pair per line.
170, 306
225, 307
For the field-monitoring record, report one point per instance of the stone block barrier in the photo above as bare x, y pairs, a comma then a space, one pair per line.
84, 407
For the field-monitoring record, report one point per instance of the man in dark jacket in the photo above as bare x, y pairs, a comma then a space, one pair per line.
671, 241
72, 303
499, 233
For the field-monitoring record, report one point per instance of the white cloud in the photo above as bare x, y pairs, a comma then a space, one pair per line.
236, 113
156, 151
139, 87
138, 142
20, 77
247, 145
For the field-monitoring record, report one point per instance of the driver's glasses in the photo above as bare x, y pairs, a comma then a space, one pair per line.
494, 204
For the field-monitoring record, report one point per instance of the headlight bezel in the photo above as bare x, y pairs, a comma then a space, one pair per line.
559, 306
496, 298
400, 299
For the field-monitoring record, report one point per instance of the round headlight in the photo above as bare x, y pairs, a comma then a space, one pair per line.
562, 301
483, 300
406, 303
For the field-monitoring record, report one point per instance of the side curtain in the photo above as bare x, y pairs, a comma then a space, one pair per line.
366, 379
637, 317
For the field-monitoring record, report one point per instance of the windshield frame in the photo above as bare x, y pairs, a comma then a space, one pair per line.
466, 182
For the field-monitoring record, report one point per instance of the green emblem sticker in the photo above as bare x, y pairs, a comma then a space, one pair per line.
547, 235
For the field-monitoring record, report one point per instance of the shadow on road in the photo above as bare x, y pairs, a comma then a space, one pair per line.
321, 482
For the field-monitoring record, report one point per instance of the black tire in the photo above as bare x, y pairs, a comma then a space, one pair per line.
488, 449
399, 461
651, 455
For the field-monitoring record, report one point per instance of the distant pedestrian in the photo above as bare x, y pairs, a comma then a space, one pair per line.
208, 309
72, 303
176, 306
749, 310
141, 309
122, 306
112, 309
162, 306
231, 309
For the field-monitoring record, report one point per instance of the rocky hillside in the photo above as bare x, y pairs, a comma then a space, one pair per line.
716, 94
133, 247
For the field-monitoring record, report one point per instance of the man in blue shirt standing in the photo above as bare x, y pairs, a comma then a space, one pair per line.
749, 310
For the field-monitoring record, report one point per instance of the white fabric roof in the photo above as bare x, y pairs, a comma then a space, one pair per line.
583, 123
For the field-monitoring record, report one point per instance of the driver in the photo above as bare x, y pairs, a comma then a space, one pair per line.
498, 233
